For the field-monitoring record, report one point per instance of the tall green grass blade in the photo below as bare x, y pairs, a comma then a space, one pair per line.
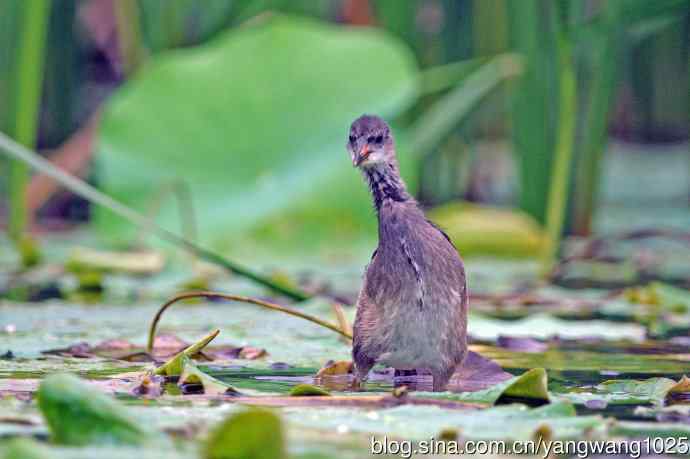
20, 153
172, 23
399, 18
64, 70
445, 76
9, 26
129, 34
565, 143
490, 15
632, 11
436, 123
28, 80
603, 71
534, 110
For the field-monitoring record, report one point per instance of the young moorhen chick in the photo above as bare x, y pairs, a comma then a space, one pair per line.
412, 309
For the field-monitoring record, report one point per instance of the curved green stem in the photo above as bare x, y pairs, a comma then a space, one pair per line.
244, 299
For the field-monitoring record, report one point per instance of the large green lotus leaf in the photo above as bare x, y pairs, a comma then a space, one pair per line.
256, 123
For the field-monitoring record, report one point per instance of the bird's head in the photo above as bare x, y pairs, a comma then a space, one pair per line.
370, 142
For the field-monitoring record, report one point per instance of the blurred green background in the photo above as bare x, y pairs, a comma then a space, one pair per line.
517, 121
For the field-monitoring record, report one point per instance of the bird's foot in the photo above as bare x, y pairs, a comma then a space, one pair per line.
357, 384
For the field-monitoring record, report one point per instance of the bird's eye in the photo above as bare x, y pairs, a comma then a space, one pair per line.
352, 138
370, 139
379, 139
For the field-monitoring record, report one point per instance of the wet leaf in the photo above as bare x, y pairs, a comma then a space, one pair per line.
652, 389
82, 349
113, 345
530, 387
477, 373
544, 326
632, 391
251, 353
24, 448
83, 259
29, 251
339, 368
679, 390
665, 297
652, 430
306, 390
149, 385
174, 366
671, 413
79, 414
360, 401
417, 422
521, 344
211, 386
252, 434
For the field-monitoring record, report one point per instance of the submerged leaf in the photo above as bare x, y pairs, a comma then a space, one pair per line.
174, 366
252, 434
79, 414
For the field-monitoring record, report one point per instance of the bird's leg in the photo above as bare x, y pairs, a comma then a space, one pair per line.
361, 372
441, 377
362, 367
404, 373
362, 360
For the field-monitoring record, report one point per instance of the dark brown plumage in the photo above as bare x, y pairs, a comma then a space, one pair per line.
412, 308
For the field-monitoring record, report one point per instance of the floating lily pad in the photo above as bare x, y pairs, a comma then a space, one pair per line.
545, 326
656, 391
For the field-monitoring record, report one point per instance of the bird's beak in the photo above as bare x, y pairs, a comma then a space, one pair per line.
362, 155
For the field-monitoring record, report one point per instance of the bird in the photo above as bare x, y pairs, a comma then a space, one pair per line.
412, 306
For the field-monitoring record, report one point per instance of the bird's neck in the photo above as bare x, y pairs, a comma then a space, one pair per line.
386, 185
